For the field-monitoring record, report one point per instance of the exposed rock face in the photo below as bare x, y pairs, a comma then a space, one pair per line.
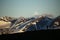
4, 24
6, 21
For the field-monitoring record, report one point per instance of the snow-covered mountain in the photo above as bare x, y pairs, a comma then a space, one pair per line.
22, 24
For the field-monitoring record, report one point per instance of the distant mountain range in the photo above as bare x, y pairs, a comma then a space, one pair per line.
22, 24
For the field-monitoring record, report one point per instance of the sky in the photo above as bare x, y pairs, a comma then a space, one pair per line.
27, 8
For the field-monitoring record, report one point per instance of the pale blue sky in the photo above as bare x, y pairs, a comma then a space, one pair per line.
26, 8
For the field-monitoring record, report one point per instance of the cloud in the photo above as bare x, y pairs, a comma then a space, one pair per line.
36, 13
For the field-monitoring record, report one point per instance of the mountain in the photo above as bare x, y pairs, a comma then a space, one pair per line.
29, 24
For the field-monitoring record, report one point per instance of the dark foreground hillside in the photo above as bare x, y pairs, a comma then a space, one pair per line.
42, 34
